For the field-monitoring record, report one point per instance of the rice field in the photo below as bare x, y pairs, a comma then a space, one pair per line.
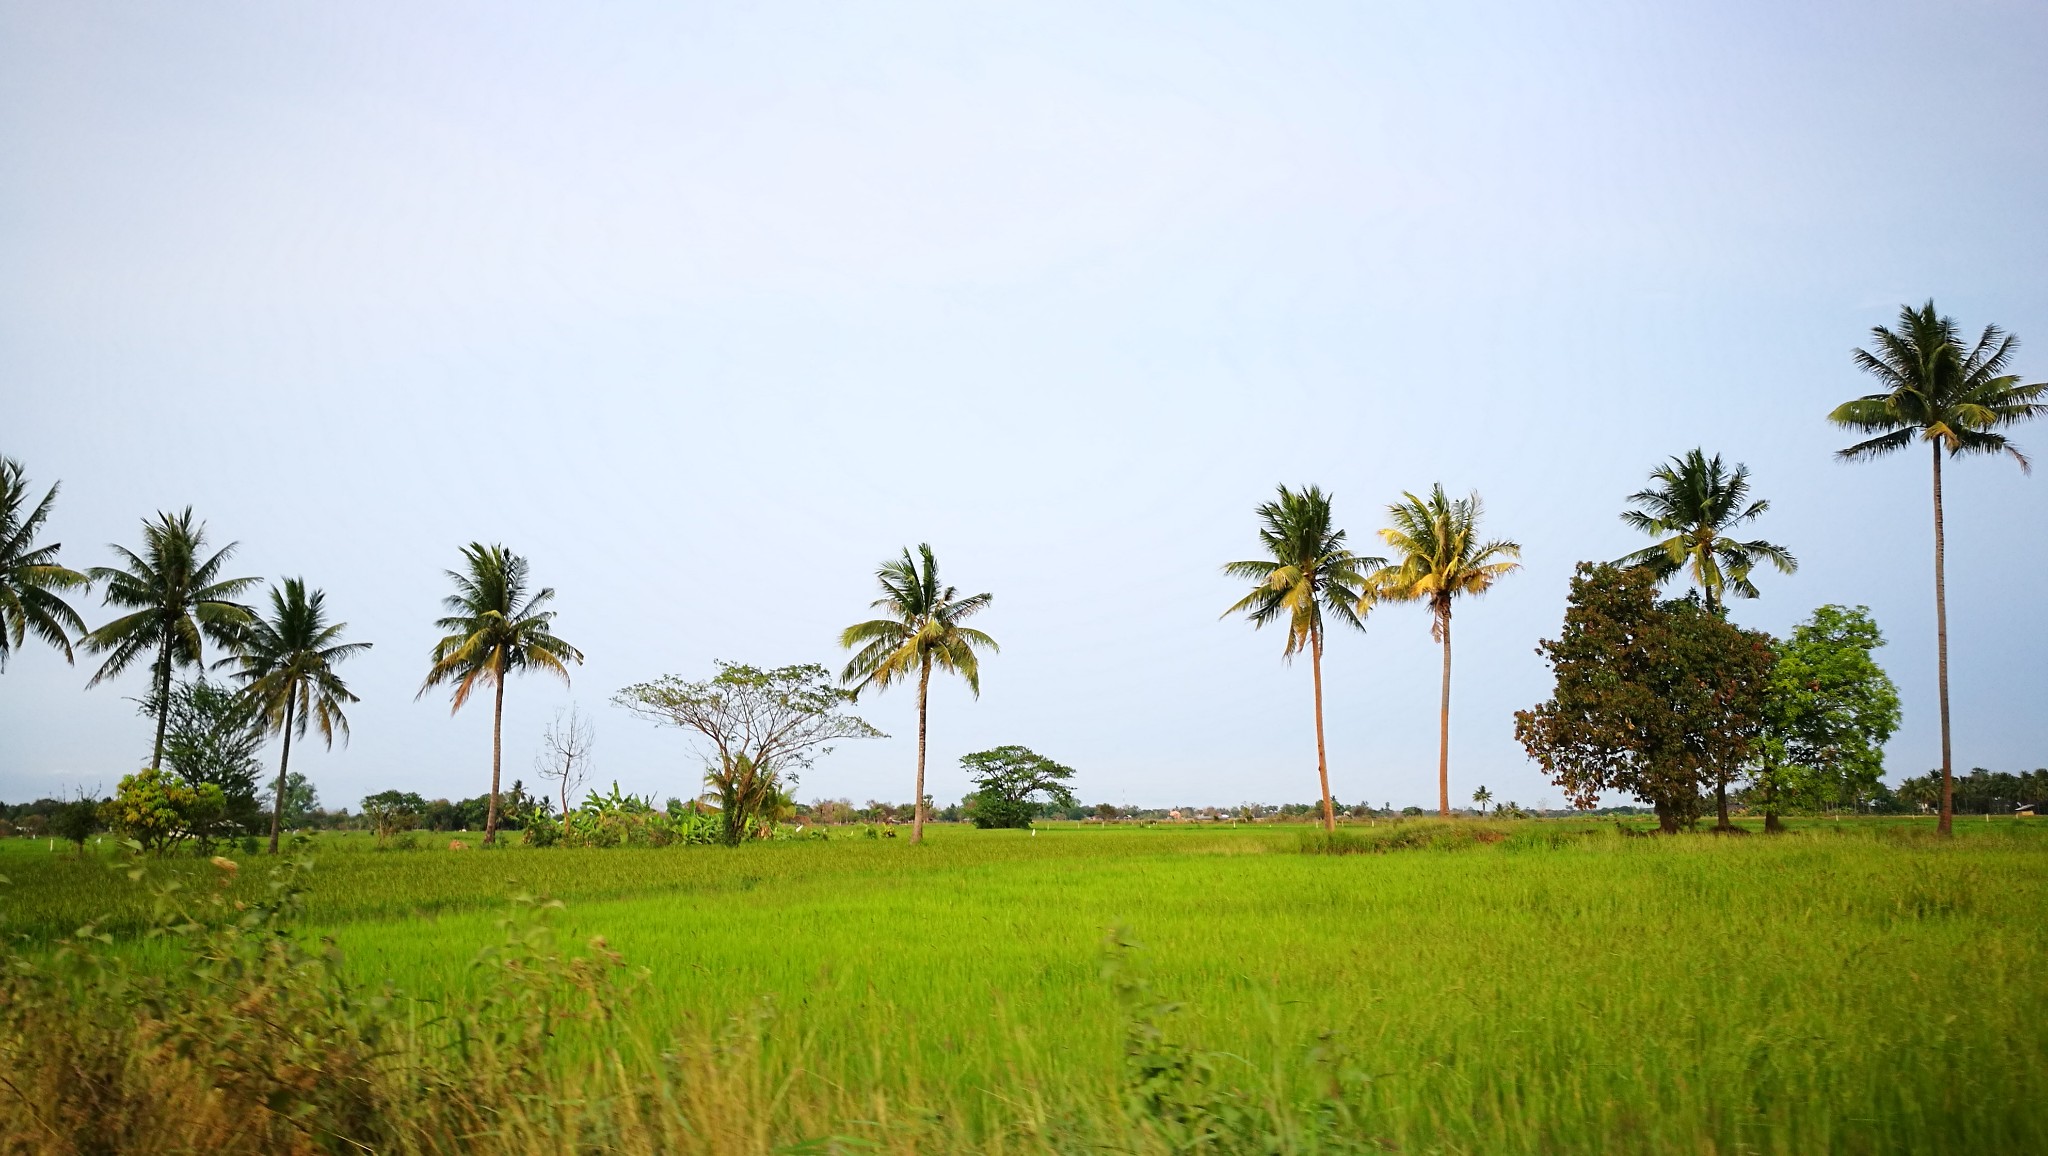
1502, 988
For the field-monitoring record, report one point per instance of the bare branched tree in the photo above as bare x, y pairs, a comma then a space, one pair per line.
565, 752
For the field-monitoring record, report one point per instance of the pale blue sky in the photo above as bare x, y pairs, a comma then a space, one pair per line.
709, 309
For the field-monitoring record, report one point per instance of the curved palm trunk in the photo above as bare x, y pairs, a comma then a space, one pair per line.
163, 702
1443, 728
1322, 759
924, 681
1948, 786
497, 750
283, 761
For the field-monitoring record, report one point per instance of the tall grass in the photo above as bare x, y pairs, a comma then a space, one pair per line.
1514, 987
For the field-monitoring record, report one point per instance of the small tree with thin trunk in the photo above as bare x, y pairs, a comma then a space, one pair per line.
1955, 399
920, 630
495, 629
757, 727
287, 669
1441, 558
1308, 572
565, 752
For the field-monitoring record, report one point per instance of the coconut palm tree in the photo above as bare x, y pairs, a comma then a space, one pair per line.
178, 604
1441, 557
920, 630
1308, 573
495, 629
1482, 796
30, 577
1695, 502
287, 671
1956, 400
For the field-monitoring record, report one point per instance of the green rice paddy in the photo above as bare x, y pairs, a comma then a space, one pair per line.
1544, 987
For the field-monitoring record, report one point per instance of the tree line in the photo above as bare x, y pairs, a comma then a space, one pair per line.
1661, 699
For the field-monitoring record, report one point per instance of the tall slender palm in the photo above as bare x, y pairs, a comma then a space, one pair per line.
494, 630
1954, 399
921, 630
1308, 573
1441, 557
287, 669
179, 603
30, 577
1695, 502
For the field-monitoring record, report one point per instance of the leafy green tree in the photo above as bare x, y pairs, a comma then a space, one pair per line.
1440, 557
1655, 700
495, 629
158, 810
921, 630
30, 578
1956, 400
212, 737
1830, 711
301, 799
1008, 782
758, 729
1695, 502
287, 671
76, 821
390, 812
1308, 573
177, 601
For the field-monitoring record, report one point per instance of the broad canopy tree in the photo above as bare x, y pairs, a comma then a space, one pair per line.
756, 729
1830, 711
1655, 700
1012, 784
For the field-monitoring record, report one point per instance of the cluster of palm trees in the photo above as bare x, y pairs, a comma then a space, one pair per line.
175, 600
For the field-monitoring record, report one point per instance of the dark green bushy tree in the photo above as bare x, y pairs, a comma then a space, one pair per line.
1013, 784
1655, 700
212, 736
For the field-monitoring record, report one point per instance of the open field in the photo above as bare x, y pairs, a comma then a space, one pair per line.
1852, 987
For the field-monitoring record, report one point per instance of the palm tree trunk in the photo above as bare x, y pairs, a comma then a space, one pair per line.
1322, 759
163, 702
283, 761
497, 750
1443, 727
924, 681
1948, 785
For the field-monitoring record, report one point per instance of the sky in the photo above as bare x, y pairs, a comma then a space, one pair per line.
709, 309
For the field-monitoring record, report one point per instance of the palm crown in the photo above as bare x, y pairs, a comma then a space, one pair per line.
1696, 500
1441, 555
1310, 572
1936, 392
287, 669
494, 627
922, 627
178, 603
30, 577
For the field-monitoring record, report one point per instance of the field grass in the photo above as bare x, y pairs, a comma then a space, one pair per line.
1541, 987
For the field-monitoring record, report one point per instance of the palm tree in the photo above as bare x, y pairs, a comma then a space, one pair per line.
1482, 796
1695, 502
178, 601
1953, 399
29, 574
494, 630
922, 630
287, 671
1308, 573
1441, 558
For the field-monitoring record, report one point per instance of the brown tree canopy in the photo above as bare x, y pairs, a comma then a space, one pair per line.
1654, 700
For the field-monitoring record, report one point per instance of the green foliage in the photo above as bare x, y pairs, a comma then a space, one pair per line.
159, 811
1695, 501
76, 821
756, 729
301, 799
1937, 389
286, 664
1308, 573
1830, 711
31, 580
1009, 782
390, 812
1654, 700
212, 736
